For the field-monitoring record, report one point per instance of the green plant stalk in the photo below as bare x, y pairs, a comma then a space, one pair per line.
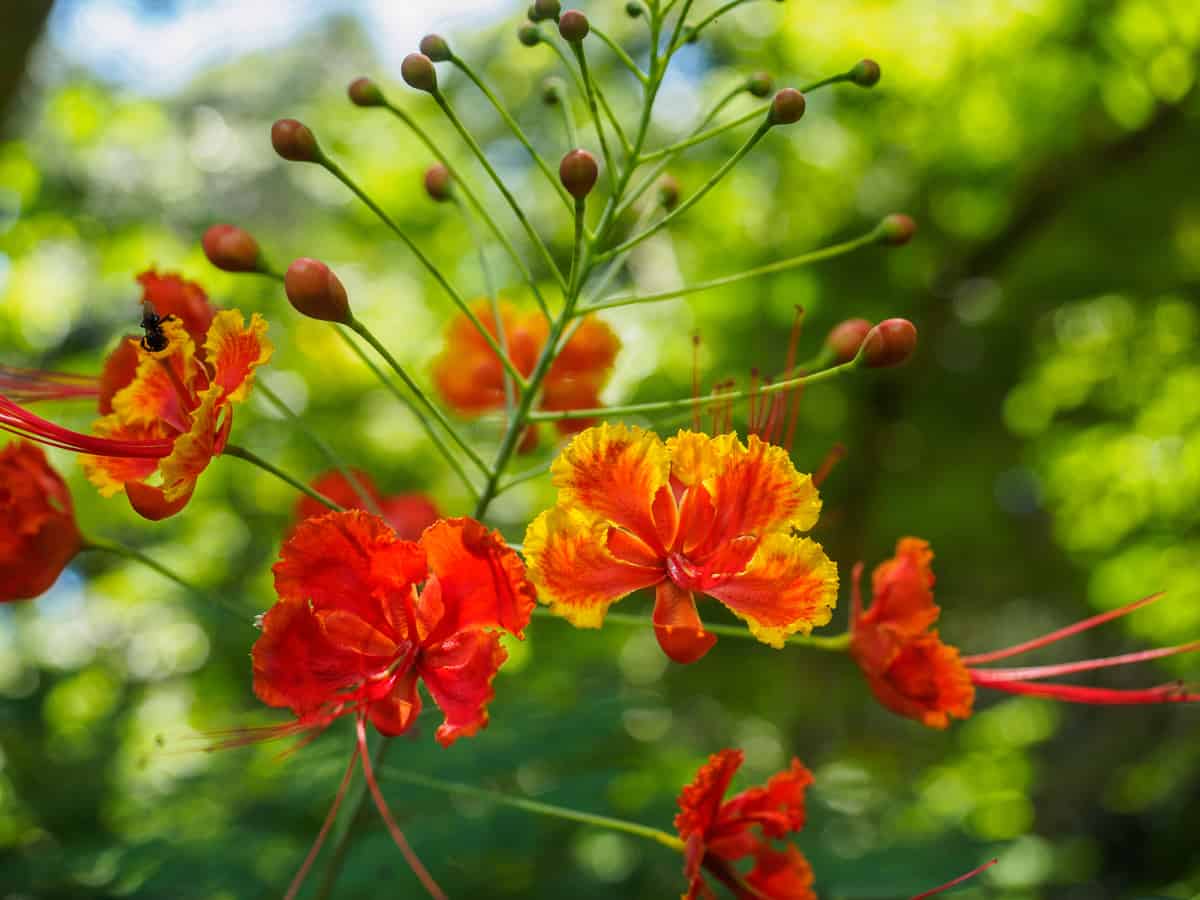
671, 149
538, 808
620, 53
590, 91
256, 460
457, 298
713, 16
117, 549
522, 477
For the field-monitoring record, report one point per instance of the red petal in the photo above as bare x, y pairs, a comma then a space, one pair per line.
458, 673
338, 488
677, 625
38, 535
119, 369
778, 807
395, 714
149, 502
782, 875
903, 591
171, 295
700, 801
925, 681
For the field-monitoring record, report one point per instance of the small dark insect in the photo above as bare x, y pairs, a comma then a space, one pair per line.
153, 340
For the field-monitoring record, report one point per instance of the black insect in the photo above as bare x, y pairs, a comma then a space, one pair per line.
154, 340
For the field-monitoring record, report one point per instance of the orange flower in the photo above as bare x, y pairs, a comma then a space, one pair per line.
692, 515
914, 673
408, 514
470, 378
717, 832
38, 535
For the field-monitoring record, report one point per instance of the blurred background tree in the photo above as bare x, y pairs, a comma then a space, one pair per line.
1046, 439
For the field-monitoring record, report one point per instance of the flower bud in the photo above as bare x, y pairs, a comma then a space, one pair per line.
231, 249
435, 47
889, 343
529, 35
316, 292
365, 92
897, 229
540, 10
787, 107
552, 91
760, 84
668, 192
865, 73
578, 172
295, 141
418, 72
573, 26
437, 183
633, 9
846, 337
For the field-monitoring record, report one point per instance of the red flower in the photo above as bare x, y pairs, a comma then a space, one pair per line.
408, 514
914, 673
38, 535
717, 832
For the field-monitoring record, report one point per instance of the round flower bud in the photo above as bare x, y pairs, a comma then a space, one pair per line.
552, 91
437, 183
668, 192
787, 107
365, 92
316, 292
760, 84
435, 47
633, 9
541, 10
846, 337
573, 26
418, 72
897, 229
529, 35
889, 343
865, 73
578, 172
295, 141
231, 249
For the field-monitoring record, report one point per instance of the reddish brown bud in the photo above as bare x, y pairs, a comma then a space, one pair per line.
889, 343
435, 47
365, 92
231, 249
295, 141
418, 72
897, 229
668, 192
437, 182
846, 337
578, 172
316, 292
573, 26
541, 10
760, 84
865, 73
787, 107
529, 35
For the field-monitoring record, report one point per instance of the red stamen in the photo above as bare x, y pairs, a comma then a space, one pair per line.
955, 881
1031, 673
696, 425
1175, 692
856, 593
1061, 633
397, 835
791, 397
752, 423
33, 385
835, 455
21, 421
330, 817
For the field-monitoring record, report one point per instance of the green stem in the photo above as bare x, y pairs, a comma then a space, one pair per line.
782, 265
568, 115
473, 145
622, 55
254, 459
695, 30
589, 89
330, 456
668, 405
425, 261
542, 809
522, 477
520, 135
362, 331
701, 137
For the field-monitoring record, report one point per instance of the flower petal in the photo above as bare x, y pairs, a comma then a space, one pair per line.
38, 534
777, 807
119, 368
171, 295
781, 875
590, 353
566, 551
458, 673
468, 374
395, 713
482, 580
163, 384
790, 586
700, 802
410, 514
337, 487
195, 448
234, 350
150, 502
110, 474
677, 625
902, 589
925, 681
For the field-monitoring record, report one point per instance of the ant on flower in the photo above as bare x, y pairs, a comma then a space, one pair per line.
154, 340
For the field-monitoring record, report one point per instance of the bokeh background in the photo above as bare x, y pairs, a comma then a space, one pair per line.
1046, 438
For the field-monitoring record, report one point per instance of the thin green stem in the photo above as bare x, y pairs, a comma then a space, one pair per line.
317, 441
699, 138
542, 809
589, 88
568, 115
577, 247
362, 331
621, 55
695, 30
520, 135
457, 298
782, 265
518, 211
688, 402
522, 477
674, 43
256, 460
473, 200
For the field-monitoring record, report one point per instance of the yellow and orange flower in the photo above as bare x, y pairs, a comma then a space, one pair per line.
470, 378
693, 514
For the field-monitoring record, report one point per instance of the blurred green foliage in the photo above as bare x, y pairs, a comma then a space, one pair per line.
1046, 440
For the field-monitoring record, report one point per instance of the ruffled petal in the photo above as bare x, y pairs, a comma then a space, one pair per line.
614, 472
163, 385
677, 625
171, 295
926, 681
696, 457
567, 394
195, 448
777, 807
700, 802
119, 368
234, 350
902, 591
790, 586
781, 875
482, 580
110, 474
566, 551
458, 673
396, 712
150, 502
468, 374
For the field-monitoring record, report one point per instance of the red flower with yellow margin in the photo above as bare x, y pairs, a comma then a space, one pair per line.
915, 674
38, 534
693, 514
